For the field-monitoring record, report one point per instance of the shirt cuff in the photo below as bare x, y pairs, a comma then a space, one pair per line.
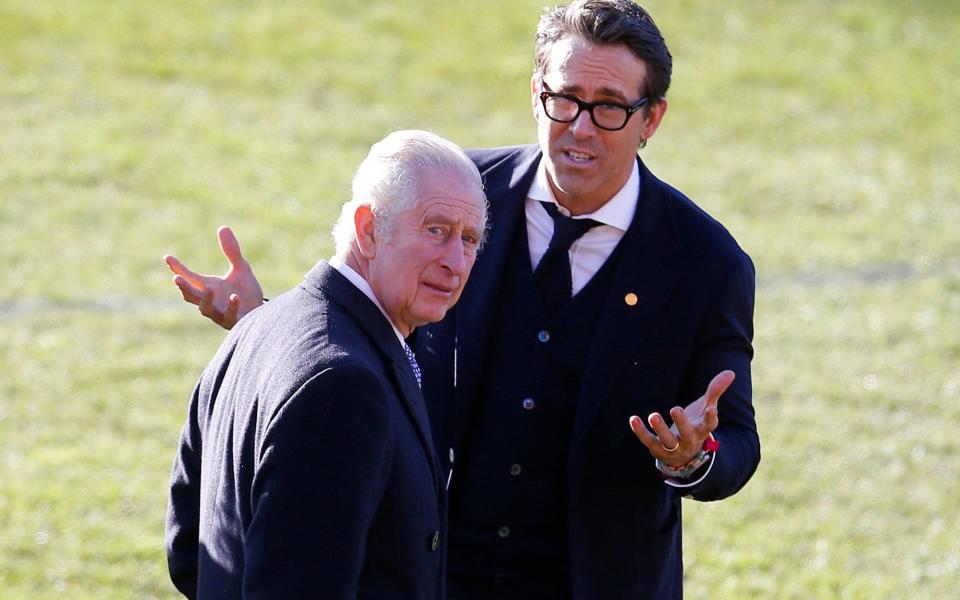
682, 483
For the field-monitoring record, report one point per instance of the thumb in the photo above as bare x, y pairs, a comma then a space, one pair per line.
718, 385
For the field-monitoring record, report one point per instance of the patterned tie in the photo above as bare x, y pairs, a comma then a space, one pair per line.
413, 363
553, 273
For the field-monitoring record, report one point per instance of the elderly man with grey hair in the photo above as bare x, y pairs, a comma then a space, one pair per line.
306, 466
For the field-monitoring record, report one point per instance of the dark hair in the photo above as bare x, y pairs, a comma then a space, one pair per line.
608, 22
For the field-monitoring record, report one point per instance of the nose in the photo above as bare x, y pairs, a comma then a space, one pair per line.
454, 257
583, 126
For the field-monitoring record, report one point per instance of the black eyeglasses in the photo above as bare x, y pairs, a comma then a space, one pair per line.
565, 108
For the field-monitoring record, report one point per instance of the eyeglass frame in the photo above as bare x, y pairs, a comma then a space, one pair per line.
546, 93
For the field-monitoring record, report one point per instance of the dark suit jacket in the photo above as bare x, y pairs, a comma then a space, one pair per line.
306, 467
693, 319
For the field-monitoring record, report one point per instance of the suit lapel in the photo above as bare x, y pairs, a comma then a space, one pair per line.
329, 281
413, 401
477, 307
643, 272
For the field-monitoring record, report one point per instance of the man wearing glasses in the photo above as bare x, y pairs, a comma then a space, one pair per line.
603, 294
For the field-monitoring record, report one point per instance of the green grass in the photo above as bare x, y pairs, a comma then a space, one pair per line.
823, 134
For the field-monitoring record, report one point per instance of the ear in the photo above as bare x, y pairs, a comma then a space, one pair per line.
363, 222
652, 121
535, 94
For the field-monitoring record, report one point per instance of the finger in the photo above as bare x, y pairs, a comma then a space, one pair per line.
207, 306
181, 269
189, 293
681, 423
718, 385
693, 432
646, 438
230, 315
229, 245
711, 419
659, 427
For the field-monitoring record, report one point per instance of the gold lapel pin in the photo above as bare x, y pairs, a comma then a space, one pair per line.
631, 299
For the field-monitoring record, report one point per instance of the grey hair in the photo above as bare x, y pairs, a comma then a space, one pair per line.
609, 22
387, 180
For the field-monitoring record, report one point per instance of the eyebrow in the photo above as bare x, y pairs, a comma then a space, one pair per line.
474, 232
604, 91
434, 217
444, 220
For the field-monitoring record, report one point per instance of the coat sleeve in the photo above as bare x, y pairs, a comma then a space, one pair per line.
183, 508
323, 466
725, 342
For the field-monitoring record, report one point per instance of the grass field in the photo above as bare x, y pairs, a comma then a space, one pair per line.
822, 133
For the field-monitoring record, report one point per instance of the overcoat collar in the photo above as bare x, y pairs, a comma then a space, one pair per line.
327, 280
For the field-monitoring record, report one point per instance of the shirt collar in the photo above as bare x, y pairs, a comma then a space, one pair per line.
361, 284
617, 212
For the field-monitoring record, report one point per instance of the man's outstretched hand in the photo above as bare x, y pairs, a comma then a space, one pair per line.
678, 444
224, 300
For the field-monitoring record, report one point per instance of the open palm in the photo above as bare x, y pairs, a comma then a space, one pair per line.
224, 299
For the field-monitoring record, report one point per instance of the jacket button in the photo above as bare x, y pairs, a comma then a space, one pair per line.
503, 532
434, 540
528, 404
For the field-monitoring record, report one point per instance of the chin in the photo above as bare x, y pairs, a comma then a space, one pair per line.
571, 183
433, 314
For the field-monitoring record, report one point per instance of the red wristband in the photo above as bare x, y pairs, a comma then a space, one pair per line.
711, 444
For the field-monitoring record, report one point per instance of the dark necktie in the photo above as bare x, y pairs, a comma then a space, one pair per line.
553, 273
413, 362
